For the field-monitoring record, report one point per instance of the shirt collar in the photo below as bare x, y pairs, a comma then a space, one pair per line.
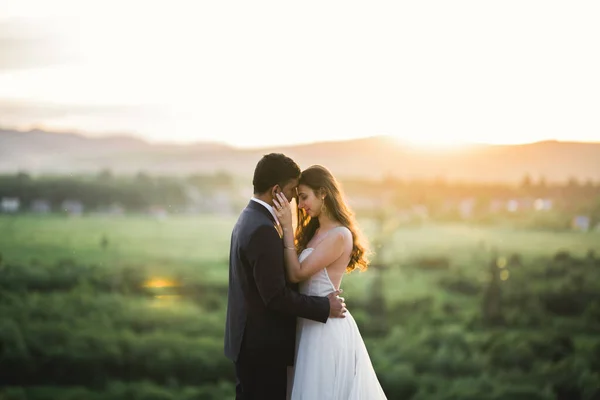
268, 207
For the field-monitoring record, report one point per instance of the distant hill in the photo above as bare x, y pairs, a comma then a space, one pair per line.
41, 152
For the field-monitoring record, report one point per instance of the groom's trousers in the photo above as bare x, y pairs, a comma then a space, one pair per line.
257, 380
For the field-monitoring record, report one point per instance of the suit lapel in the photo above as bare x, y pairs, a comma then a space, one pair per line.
260, 208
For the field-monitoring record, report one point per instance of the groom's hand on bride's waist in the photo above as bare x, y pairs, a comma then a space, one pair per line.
337, 306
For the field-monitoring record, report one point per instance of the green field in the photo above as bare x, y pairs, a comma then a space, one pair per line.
197, 247
133, 308
177, 241
202, 242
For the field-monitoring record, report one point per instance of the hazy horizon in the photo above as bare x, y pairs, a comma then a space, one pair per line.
399, 141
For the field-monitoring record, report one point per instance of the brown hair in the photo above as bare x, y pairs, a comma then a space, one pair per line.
322, 182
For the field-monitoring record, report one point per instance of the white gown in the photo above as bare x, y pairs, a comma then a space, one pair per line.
332, 362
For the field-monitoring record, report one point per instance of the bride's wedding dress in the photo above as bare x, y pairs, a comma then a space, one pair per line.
332, 362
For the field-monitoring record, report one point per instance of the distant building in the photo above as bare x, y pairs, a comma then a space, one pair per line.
543, 204
41, 206
10, 204
72, 207
512, 205
466, 208
520, 204
581, 223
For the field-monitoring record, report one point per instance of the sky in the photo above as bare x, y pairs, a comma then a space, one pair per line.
258, 73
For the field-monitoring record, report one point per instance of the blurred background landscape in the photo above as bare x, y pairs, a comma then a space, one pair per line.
465, 136
114, 282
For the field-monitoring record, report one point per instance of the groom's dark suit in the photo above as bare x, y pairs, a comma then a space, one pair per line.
260, 332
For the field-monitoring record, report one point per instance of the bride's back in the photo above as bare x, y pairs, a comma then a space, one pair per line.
330, 277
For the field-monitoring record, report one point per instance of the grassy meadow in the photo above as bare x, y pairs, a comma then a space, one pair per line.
133, 307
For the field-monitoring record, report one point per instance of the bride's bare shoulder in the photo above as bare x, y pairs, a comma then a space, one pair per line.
344, 232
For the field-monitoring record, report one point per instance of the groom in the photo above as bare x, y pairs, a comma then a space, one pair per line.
260, 332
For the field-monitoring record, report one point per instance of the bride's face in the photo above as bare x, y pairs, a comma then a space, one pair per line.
308, 201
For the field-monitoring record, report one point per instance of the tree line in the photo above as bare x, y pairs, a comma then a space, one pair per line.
137, 193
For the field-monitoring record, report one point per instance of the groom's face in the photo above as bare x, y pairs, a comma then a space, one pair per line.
289, 189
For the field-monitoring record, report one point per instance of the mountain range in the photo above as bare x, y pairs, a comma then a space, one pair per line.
40, 152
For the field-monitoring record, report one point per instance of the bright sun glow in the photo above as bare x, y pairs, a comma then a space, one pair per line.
450, 142
433, 143
160, 283
253, 74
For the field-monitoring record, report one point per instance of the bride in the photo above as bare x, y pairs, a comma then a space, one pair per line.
332, 362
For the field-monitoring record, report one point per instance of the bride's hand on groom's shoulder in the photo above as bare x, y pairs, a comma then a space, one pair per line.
337, 305
283, 210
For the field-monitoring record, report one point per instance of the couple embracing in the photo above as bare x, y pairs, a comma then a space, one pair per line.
288, 332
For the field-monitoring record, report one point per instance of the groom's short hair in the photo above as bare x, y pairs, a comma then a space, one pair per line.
274, 169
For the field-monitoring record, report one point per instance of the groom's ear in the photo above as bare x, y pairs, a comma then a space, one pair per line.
274, 190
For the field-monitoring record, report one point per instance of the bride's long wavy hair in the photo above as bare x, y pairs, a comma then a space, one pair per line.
323, 183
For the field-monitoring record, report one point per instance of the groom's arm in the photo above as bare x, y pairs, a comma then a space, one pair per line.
265, 253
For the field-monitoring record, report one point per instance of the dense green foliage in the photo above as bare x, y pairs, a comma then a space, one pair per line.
133, 308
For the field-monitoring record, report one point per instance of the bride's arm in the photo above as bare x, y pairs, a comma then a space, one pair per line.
329, 250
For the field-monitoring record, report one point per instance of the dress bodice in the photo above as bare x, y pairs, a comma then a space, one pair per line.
317, 285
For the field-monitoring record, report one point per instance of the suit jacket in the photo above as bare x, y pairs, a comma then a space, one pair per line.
262, 305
